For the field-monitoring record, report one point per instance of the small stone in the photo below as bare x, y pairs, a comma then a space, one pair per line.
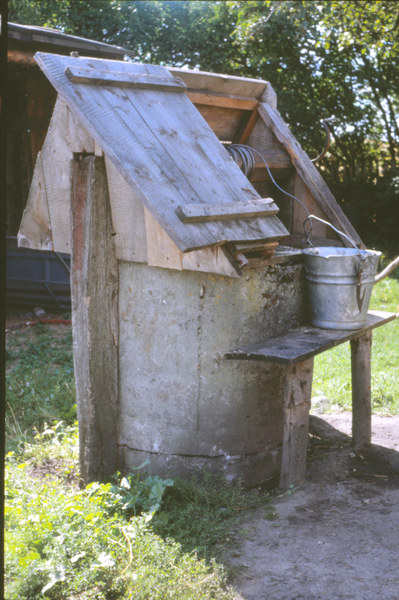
39, 312
320, 404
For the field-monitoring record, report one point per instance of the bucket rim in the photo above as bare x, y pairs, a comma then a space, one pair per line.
338, 252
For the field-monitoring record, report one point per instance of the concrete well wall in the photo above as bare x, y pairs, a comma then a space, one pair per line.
180, 403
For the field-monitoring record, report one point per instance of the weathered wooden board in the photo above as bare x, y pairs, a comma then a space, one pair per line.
94, 319
297, 395
245, 127
361, 389
127, 218
101, 77
210, 260
223, 121
191, 213
223, 100
264, 141
161, 250
309, 174
56, 156
305, 342
140, 130
35, 228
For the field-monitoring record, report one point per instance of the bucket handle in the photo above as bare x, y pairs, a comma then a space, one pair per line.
307, 235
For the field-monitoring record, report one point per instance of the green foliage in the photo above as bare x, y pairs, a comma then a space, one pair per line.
40, 385
201, 517
62, 542
332, 371
372, 208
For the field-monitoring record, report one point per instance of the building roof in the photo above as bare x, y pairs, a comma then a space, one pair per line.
31, 38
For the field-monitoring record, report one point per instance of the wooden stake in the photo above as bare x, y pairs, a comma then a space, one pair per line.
361, 389
297, 394
94, 283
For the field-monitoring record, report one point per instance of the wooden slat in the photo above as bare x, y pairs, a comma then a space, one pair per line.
251, 246
147, 173
309, 173
94, 285
191, 145
305, 342
221, 84
56, 156
210, 260
223, 101
361, 389
245, 127
161, 251
223, 121
102, 77
191, 213
35, 229
127, 218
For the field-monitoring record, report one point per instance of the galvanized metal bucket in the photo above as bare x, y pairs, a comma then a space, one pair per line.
340, 281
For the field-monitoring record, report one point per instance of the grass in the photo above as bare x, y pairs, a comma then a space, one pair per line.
133, 537
332, 370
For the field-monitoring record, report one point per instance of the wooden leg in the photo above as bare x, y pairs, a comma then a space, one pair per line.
94, 283
298, 389
361, 389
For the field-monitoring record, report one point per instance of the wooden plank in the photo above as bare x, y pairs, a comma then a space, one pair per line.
361, 389
251, 246
223, 121
210, 260
305, 342
309, 174
297, 394
197, 157
121, 79
245, 127
35, 228
79, 140
221, 84
302, 192
18, 57
222, 101
94, 287
127, 218
264, 141
161, 250
152, 181
191, 213
56, 157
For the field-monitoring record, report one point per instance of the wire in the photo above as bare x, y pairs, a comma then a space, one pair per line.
248, 166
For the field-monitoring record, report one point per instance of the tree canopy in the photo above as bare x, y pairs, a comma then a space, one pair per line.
338, 58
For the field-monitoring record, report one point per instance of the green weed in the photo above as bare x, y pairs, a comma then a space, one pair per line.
332, 372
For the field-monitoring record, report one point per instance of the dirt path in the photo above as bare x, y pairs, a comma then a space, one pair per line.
337, 537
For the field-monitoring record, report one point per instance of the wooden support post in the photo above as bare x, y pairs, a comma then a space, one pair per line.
94, 283
297, 393
361, 389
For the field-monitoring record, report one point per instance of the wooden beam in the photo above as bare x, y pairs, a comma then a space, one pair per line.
19, 57
120, 79
361, 389
94, 283
297, 394
245, 127
309, 174
224, 101
192, 213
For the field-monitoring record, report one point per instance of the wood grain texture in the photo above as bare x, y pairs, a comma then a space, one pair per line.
94, 319
223, 84
210, 260
103, 77
309, 174
361, 389
245, 126
297, 395
127, 218
191, 213
79, 140
224, 101
56, 156
305, 342
161, 250
223, 121
35, 228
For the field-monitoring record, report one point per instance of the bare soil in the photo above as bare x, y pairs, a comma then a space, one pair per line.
337, 536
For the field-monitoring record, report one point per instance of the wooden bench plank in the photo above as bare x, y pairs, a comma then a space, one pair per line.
305, 342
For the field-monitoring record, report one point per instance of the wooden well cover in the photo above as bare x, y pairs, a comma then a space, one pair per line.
146, 125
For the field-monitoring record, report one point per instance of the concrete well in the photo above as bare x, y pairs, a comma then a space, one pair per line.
180, 403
